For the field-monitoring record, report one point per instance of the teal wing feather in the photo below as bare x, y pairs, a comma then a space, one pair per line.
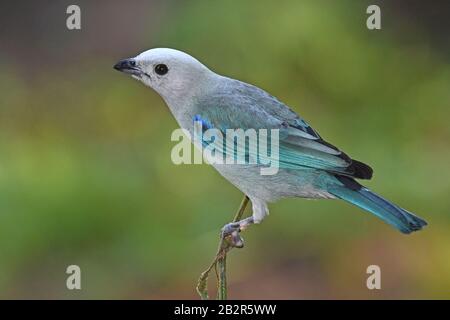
300, 146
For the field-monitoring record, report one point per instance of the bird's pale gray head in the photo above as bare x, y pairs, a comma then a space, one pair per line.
171, 73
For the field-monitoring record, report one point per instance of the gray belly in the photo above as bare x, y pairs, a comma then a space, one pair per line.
285, 184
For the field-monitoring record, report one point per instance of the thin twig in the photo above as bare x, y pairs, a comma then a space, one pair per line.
220, 262
222, 284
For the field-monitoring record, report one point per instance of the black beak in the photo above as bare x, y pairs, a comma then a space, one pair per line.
128, 66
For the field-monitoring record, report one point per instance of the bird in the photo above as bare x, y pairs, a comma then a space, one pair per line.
309, 166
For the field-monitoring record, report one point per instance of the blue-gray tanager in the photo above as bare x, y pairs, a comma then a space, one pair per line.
309, 167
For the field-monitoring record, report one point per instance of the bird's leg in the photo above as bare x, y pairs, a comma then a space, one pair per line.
224, 246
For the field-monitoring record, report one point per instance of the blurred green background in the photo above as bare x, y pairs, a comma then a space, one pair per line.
85, 170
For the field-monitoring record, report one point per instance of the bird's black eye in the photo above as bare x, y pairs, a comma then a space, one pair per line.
161, 69
132, 63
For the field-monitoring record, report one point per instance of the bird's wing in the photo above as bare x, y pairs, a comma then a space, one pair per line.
244, 106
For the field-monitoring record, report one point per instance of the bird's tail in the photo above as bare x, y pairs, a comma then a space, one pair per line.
360, 196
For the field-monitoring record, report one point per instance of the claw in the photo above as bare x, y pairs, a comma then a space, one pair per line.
230, 232
229, 228
236, 240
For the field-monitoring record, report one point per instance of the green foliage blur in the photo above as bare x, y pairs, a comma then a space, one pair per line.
85, 170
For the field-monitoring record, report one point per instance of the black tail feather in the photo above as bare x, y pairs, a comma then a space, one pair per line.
360, 170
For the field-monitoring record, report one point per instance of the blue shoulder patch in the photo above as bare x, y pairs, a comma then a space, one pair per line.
204, 122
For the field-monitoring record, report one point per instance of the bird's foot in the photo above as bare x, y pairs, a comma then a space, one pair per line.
231, 232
